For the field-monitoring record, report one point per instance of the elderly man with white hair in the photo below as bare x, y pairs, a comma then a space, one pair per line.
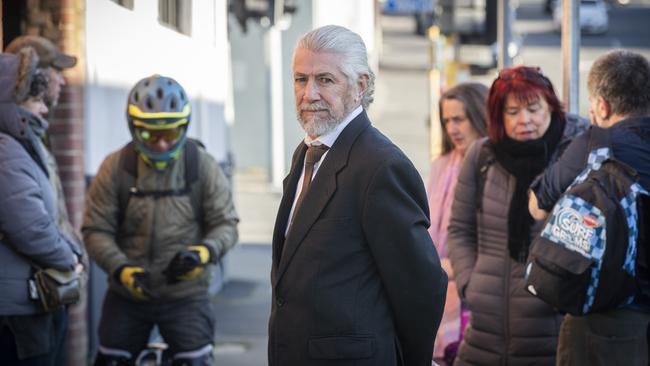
355, 277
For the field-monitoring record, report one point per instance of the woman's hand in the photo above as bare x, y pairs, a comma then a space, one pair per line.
446, 265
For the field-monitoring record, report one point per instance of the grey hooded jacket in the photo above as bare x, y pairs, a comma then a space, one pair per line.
28, 229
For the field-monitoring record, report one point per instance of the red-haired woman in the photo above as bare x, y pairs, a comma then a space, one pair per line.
490, 228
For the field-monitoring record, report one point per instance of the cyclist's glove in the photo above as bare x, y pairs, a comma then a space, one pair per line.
135, 279
189, 263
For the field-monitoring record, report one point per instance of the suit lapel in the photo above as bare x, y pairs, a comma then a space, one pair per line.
320, 191
289, 192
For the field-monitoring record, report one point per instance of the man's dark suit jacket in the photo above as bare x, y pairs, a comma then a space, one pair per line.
357, 280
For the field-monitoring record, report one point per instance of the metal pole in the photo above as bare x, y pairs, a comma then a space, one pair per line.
571, 55
504, 33
274, 48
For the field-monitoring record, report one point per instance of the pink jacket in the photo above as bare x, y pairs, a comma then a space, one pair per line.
440, 191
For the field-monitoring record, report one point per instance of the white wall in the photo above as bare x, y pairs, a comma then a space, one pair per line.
123, 46
358, 16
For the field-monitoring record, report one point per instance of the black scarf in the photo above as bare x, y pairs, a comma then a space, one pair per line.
525, 160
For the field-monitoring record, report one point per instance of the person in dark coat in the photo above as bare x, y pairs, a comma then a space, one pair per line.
490, 229
29, 233
35, 103
355, 276
619, 94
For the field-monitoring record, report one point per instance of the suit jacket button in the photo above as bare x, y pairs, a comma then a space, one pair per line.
279, 302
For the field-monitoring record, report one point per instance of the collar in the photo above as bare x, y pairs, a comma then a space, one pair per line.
36, 123
633, 122
330, 138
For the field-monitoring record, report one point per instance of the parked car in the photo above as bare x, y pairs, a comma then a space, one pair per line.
593, 16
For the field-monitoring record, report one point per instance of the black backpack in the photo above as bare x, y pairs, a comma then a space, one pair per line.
585, 258
129, 175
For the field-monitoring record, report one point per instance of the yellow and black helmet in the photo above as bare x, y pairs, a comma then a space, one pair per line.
158, 103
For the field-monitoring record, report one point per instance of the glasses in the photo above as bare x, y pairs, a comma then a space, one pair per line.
524, 72
153, 136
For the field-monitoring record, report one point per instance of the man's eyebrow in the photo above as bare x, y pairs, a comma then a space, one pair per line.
320, 75
326, 74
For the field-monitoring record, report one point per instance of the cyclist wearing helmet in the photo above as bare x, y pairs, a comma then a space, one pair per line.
157, 231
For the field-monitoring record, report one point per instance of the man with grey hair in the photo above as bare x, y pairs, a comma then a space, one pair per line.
355, 276
619, 94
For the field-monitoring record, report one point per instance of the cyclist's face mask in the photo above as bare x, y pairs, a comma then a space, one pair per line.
159, 140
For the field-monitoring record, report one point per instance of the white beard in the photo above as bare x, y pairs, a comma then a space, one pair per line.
315, 125
319, 126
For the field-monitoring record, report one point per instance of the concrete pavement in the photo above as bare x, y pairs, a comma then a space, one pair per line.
243, 307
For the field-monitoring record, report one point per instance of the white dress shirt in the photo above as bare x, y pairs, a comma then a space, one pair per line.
328, 139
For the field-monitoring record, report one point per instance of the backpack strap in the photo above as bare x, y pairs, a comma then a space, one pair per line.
129, 175
600, 147
598, 137
192, 176
485, 159
126, 181
191, 156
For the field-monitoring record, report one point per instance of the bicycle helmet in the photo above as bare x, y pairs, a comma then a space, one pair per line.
158, 104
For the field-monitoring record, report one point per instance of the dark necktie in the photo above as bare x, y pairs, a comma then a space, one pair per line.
314, 154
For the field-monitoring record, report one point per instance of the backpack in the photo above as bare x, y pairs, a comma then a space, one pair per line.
129, 175
585, 258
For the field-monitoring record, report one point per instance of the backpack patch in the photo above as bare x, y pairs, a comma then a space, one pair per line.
584, 259
577, 225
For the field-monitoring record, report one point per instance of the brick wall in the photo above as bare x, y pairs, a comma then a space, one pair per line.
66, 138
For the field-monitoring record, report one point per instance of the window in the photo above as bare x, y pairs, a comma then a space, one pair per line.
176, 14
125, 3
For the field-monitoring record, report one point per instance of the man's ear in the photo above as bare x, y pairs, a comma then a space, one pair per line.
604, 108
362, 84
